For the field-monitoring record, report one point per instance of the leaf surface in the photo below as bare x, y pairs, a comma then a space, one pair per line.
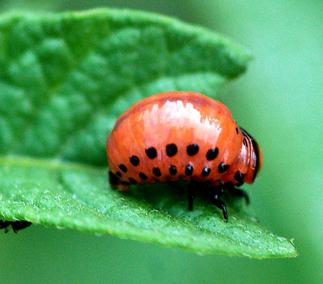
64, 80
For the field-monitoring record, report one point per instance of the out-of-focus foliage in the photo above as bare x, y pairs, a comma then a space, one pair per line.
279, 101
84, 69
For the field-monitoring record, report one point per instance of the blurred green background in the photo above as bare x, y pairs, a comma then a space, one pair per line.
279, 100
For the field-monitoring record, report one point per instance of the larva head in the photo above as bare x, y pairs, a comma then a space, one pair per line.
251, 157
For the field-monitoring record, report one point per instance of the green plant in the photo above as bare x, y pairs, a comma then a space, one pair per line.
63, 82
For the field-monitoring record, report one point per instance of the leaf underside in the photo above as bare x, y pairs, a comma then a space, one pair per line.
64, 80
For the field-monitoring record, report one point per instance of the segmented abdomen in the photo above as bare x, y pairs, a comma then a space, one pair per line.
172, 136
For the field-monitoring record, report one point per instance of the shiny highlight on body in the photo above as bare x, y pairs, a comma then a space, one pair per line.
181, 136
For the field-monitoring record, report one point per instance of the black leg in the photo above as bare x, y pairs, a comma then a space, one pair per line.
5, 225
19, 225
15, 225
235, 191
113, 179
190, 195
240, 193
221, 205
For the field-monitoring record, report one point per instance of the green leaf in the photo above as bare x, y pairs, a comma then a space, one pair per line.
64, 79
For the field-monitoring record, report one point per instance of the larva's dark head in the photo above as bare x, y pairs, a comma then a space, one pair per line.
253, 157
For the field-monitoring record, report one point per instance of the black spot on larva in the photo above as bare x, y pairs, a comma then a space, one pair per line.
205, 172
172, 170
237, 130
15, 225
189, 170
245, 141
223, 167
123, 168
114, 180
192, 149
171, 150
132, 180
119, 174
156, 172
134, 160
125, 183
151, 152
239, 176
143, 176
212, 153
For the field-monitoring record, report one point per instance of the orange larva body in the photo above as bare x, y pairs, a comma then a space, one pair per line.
180, 135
